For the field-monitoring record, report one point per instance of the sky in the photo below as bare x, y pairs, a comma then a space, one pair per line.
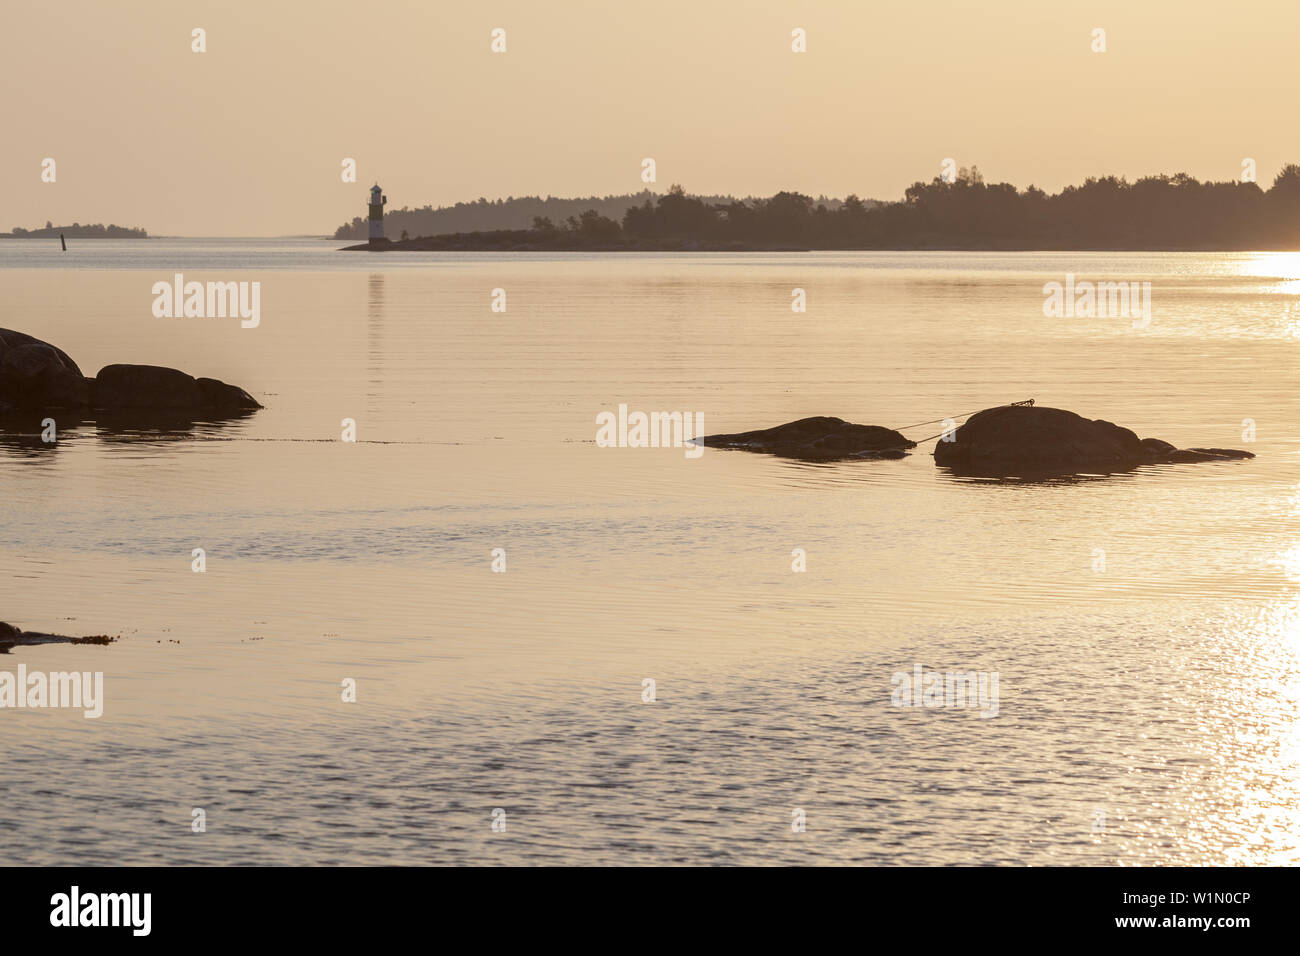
249, 137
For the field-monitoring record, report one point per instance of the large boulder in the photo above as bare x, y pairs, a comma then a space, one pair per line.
1030, 440
150, 387
133, 390
36, 375
11, 339
819, 438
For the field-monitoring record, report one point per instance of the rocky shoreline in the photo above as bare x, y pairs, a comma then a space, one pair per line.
36, 376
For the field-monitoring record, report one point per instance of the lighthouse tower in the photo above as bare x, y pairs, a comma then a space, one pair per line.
377, 202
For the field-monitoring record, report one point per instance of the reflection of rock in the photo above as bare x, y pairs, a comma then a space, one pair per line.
35, 375
11, 636
819, 438
21, 434
1028, 440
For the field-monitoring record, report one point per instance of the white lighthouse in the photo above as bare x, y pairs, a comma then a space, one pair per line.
377, 202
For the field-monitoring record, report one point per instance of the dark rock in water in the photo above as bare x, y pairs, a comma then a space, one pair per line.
151, 396
1155, 446
145, 386
25, 365
11, 636
219, 396
1023, 440
11, 339
1034, 438
1180, 455
36, 375
817, 439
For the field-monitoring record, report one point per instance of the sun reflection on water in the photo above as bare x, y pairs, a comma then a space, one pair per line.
1266, 265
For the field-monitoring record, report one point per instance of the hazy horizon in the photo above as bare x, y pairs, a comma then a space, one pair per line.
247, 138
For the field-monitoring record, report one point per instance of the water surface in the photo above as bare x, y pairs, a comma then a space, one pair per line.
1161, 692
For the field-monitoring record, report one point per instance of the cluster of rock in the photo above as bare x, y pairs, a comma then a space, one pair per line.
1011, 440
37, 376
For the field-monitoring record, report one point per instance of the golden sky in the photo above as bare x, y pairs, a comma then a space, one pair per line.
247, 138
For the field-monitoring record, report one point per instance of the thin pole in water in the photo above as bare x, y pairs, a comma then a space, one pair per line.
64, 242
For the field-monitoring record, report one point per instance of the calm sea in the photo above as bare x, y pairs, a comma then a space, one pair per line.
1145, 627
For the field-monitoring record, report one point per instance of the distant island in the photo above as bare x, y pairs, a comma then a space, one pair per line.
513, 213
1154, 213
77, 231
591, 235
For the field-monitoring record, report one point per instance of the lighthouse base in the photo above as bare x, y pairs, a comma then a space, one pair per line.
379, 242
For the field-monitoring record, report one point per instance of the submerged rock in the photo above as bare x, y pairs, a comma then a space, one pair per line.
1162, 451
11, 636
1020, 440
36, 376
818, 439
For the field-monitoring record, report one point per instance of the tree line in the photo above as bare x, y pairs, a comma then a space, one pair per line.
513, 212
1153, 212
78, 231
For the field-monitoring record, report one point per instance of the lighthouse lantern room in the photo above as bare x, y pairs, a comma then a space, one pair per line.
377, 202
